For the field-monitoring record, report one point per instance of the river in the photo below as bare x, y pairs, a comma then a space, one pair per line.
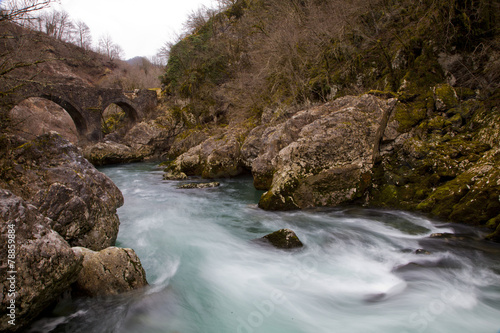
358, 270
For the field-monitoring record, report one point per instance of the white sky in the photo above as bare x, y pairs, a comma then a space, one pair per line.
140, 27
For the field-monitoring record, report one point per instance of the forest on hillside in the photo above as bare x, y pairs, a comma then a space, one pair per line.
257, 54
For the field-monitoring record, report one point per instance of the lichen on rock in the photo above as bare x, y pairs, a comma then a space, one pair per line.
43, 264
327, 156
81, 202
108, 272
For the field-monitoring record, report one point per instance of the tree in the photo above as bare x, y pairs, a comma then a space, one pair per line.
83, 36
57, 24
12, 10
108, 48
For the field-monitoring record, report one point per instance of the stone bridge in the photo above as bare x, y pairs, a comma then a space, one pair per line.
86, 105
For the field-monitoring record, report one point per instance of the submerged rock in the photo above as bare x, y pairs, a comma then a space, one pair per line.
442, 235
422, 251
199, 185
174, 175
37, 263
109, 272
282, 239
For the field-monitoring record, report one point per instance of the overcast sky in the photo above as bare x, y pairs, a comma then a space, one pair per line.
139, 27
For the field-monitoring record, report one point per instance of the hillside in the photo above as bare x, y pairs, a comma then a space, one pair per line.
261, 54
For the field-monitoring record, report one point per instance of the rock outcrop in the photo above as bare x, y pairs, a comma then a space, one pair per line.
145, 140
40, 266
108, 272
50, 173
446, 162
53, 199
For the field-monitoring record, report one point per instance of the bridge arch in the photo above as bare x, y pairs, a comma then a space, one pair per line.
74, 113
127, 106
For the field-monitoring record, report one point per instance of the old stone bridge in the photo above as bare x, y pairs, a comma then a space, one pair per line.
86, 105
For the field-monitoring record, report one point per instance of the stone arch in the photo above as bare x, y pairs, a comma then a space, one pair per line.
34, 116
127, 106
74, 113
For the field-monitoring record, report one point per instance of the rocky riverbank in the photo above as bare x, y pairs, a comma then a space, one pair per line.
58, 209
434, 151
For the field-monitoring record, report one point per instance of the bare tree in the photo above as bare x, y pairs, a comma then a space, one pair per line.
57, 24
108, 48
12, 10
196, 19
83, 36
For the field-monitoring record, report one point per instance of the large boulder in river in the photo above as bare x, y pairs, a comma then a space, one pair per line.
50, 173
216, 157
37, 263
110, 152
321, 156
109, 272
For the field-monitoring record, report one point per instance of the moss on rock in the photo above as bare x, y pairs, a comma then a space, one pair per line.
283, 239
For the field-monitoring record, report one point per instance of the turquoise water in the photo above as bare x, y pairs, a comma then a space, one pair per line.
358, 271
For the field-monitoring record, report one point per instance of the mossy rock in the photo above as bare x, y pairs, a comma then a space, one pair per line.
443, 199
263, 181
464, 93
410, 114
383, 94
271, 201
445, 97
198, 185
283, 239
174, 175
437, 123
494, 224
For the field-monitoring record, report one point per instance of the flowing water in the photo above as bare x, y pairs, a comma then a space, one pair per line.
358, 270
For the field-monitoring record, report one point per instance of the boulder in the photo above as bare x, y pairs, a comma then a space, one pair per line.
44, 264
108, 272
216, 157
148, 139
282, 239
322, 156
110, 152
50, 173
